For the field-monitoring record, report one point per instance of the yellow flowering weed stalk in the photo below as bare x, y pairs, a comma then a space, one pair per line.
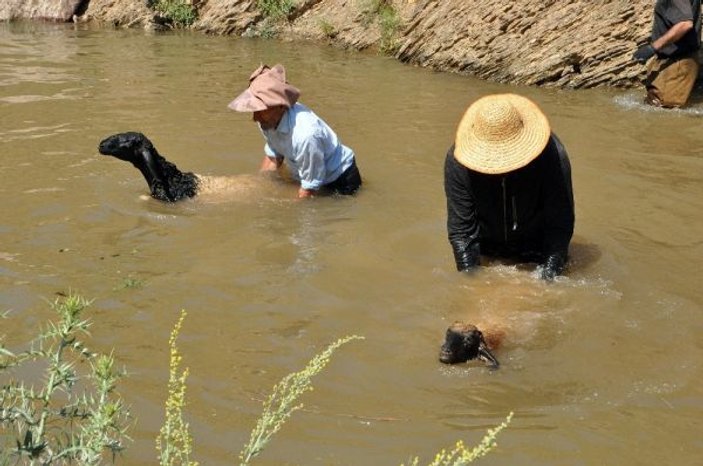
283, 400
460, 455
174, 443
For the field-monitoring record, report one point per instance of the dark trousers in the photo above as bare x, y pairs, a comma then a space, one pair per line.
348, 182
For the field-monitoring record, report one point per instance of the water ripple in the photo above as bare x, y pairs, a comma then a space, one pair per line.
35, 132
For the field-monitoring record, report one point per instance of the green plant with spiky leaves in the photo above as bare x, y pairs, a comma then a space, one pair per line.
283, 401
130, 283
52, 423
174, 443
460, 455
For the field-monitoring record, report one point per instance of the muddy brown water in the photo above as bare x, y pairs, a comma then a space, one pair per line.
601, 367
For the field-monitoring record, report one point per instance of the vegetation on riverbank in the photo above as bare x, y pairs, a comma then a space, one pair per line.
528, 43
386, 15
276, 9
179, 12
82, 418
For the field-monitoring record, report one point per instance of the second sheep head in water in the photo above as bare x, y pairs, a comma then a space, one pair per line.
464, 342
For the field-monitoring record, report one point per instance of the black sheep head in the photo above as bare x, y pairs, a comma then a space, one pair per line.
126, 146
464, 342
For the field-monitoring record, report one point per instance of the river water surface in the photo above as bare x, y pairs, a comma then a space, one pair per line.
603, 366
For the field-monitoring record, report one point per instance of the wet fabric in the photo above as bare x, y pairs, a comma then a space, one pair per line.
348, 182
669, 81
667, 13
314, 154
525, 215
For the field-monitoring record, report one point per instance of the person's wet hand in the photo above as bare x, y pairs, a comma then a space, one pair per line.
644, 53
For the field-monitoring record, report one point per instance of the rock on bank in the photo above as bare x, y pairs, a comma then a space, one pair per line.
54, 10
569, 44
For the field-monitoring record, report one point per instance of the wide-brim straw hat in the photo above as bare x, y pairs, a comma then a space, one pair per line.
267, 88
500, 133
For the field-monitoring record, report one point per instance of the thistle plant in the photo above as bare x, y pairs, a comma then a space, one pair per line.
460, 455
52, 424
174, 442
283, 401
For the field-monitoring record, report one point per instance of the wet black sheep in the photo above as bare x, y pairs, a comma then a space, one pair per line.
166, 182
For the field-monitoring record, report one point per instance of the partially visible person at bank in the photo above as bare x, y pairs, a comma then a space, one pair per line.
672, 52
313, 153
507, 181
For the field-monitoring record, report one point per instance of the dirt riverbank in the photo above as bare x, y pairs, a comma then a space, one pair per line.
576, 44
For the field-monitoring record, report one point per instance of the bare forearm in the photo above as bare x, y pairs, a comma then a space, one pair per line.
676, 32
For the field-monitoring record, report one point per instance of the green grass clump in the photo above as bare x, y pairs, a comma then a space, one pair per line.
180, 12
57, 422
389, 22
327, 28
130, 282
276, 9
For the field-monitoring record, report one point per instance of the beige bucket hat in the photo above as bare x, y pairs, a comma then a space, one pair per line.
267, 88
500, 133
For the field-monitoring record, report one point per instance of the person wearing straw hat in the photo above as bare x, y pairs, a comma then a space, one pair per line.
315, 156
671, 54
507, 181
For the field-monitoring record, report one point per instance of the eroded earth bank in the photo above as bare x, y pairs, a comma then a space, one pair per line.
575, 44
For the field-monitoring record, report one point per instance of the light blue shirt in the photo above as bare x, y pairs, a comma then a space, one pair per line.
313, 153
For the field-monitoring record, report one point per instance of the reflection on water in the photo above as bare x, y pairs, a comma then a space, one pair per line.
602, 366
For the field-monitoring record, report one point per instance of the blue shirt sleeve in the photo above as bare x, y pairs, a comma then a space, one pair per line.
312, 169
269, 152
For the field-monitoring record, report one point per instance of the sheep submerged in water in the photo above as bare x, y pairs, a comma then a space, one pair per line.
166, 182
464, 342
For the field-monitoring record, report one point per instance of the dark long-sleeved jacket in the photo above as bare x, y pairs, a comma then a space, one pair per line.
526, 214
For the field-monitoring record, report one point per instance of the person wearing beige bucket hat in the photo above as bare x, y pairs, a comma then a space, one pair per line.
507, 181
313, 153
